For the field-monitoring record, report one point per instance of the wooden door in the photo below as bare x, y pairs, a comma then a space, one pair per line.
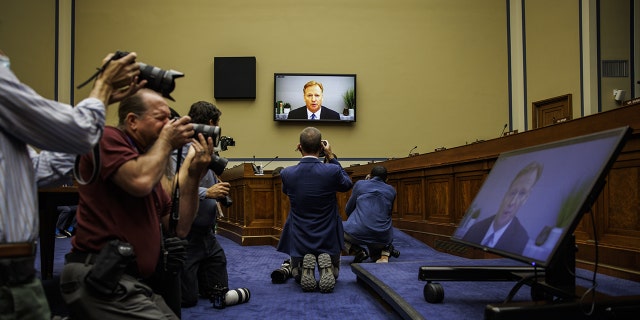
552, 111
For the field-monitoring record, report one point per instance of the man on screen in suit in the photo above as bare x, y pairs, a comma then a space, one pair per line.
314, 109
503, 230
313, 229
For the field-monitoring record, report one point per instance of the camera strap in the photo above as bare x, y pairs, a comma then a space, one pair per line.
175, 201
95, 75
96, 166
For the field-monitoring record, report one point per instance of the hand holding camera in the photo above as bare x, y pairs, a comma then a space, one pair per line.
326, 150
120, 72
220, 192
199, 156
177, 132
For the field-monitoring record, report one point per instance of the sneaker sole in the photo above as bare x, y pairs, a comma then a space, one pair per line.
308, 280
327, 280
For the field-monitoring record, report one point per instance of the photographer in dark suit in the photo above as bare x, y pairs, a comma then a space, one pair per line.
503, 230
313, 229
314, 110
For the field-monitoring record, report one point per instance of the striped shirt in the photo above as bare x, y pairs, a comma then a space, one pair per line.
26, 118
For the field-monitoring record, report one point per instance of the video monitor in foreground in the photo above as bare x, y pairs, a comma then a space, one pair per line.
534, 197
329, 97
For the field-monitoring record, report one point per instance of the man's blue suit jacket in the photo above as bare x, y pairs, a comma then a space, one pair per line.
314, 224
513, 240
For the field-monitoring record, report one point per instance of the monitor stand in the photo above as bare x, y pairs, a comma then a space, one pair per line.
553, 289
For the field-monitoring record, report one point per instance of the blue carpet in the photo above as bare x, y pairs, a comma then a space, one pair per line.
251, 266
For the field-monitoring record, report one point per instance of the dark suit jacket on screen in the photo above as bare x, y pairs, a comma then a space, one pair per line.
325, 114
513, 240
314, 224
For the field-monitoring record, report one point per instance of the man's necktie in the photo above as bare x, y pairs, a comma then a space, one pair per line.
489, 240
313, 116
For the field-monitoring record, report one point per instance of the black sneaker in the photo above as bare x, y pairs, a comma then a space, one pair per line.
327, 280
308, 280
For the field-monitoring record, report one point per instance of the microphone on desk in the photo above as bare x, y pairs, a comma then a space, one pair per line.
269, 162
503, 129
255, 168
412, 150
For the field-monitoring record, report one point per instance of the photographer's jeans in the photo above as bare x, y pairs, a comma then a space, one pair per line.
205, 266
135, 300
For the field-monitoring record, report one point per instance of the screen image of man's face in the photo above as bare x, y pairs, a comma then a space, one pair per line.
515, 197
313, 98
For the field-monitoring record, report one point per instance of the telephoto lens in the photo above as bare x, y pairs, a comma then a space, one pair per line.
237, 296
283, 273
223, 297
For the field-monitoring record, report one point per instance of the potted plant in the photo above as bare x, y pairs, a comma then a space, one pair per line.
551, 234
287, 107
349, 99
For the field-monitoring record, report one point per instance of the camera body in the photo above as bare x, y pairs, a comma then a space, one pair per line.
225, 201
392, 251
162, 81
226, 142
324, 144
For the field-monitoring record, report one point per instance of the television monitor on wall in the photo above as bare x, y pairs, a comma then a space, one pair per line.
338, 97
534, 197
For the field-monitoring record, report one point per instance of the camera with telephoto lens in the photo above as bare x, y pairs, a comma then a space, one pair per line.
162, 81
222, 297
226, 142
207, 131
392, 251
283, 273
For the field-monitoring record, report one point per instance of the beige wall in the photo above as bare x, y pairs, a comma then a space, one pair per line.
431, 73
27, 35
616, 25
553, 52
427, 70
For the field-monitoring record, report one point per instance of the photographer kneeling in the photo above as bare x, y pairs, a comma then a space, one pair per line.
205, 269
369, 218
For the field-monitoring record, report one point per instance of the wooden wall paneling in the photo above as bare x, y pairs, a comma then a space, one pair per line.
238, 212
394, 183
439, 196
278, 220
411, 196
618, 225
467, 185
261, 198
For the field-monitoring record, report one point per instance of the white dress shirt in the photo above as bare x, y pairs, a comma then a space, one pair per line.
26, 118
